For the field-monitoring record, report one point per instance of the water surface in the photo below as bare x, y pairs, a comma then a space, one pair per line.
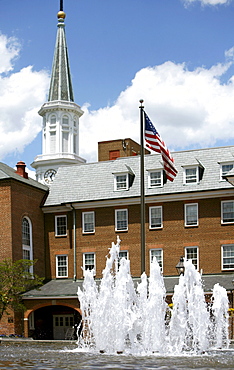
54, 355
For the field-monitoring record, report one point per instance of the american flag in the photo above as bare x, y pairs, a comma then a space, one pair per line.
154, 142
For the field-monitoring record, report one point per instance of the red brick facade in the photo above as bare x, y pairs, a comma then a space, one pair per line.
173, 237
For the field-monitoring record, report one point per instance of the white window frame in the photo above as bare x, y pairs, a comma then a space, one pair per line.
84, 231
150, 217
151, 183
222, 172
117, 184
193, 259
28, 247
160, 260
94, 260
56, 224
123, 254
57, 266
222, 213
231, 256
193, 179
116, 219
186, 206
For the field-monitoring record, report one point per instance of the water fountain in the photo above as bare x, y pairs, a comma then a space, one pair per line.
119, 318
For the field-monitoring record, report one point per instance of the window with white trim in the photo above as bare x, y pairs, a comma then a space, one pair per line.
61, 225
224, 169
53, 134
27, 249
122, 254
88, 222
121, 220
191, 175
65, 134
191, 253
62, 266
158, 254
121, 182
155, 179
227, 212
228, 257
191, 214
155, 217
89, 261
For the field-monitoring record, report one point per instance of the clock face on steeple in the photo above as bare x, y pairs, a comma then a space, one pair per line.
49, 176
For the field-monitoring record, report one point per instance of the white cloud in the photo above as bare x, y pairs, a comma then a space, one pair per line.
208, 2
21, 95
9, 50
188, 108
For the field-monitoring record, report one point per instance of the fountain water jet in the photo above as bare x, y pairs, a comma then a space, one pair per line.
119, 318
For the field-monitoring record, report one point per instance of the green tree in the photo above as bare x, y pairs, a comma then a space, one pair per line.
15, 279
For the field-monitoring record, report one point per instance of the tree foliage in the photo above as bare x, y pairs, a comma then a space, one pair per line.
15, 279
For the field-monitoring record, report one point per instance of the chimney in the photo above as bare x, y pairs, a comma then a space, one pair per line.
21, 169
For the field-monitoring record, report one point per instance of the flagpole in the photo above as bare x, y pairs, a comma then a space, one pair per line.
142, 188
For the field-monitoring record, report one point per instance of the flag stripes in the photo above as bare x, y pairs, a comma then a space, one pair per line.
155, 143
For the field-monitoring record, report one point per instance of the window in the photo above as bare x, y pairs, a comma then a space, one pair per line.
60, 225
88, 223
228, 257
61, 266
224, 169
191, 214
158, 253
191, 175
227, 212
121, 219
191, 253
27, 251
65, 134
53, 134
155, 179
155, 217
121, 182
52, 142
122, 254
89, 261
114, 154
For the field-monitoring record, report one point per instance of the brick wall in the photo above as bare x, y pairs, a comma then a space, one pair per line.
5, 221
208, 236
126, 147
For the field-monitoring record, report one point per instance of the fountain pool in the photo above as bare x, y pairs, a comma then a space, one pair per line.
57, 355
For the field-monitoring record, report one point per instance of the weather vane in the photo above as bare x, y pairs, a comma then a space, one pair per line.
61, 5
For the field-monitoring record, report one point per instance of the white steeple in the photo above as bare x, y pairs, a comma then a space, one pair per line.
60, 142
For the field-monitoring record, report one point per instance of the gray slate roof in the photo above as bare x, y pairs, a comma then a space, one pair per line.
7, 172
95, 181
68, 288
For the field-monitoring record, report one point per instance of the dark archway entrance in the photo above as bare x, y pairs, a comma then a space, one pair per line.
55, 322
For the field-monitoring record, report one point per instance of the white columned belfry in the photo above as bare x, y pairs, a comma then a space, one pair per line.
60, 135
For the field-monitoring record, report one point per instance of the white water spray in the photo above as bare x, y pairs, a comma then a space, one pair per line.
118, 318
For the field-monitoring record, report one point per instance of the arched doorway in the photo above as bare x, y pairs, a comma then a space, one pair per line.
54, 322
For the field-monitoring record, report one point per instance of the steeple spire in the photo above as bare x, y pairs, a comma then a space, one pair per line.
61, 84
60, 136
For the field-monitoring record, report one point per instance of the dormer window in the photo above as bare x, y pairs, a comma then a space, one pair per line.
191, 175
121, 182
155, 179
224, 169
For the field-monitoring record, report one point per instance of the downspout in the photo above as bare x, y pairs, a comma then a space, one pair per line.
74, 241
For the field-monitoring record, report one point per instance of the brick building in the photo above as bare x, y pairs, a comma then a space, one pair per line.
90, 204
22, 226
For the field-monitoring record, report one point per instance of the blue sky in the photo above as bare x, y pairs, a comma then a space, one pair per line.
176, 55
